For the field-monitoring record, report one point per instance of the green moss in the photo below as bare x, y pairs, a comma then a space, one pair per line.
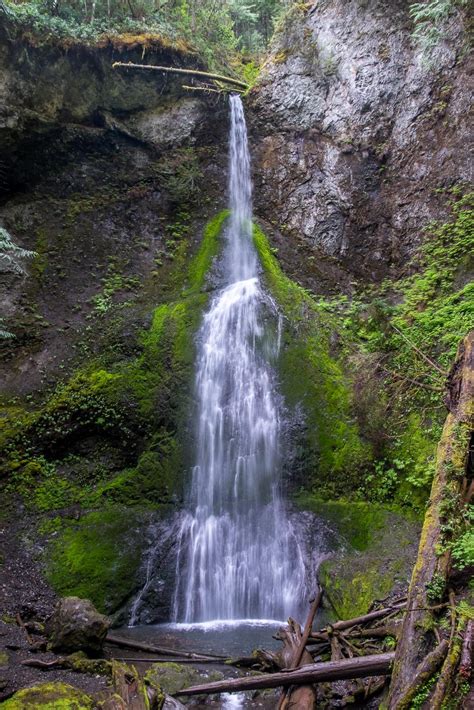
97, 558
49, 696
208, 250
377, 548
359, 523
313, 379
380, 334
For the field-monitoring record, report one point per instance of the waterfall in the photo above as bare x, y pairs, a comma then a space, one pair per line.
239, 557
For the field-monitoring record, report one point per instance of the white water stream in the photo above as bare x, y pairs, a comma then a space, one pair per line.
239, 557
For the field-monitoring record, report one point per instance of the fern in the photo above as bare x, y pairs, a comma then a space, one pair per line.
429, 18
11, 255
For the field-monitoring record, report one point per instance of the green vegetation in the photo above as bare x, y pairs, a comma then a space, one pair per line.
220, 32
430, 18
374, 549
12, 258
312, 378
98, 557
49, 696
399, 341
135, 409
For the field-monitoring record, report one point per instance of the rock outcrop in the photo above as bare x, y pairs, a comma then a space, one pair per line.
355, 133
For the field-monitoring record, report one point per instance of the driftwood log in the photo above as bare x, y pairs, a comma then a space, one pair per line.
184, 72
149, 648
453, 474
362, 667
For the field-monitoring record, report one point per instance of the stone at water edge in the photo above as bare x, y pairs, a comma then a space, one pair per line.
173, 677
76, 625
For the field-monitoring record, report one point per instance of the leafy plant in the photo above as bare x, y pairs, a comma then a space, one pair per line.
430, 18
435, 588
463, 549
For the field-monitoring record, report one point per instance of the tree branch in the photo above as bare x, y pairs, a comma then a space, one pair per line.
183, 72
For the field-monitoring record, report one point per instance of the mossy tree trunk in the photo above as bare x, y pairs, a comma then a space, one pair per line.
432, 567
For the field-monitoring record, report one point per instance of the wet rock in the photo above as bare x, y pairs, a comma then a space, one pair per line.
355, 132
76, 625
173, 677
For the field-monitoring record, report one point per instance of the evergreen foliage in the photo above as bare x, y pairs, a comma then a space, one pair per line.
12, 258
218, 29
430, 18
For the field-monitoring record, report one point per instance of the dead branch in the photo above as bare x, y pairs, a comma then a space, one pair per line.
301, 653
362, 667
183, 72
465, 666
44, 665
446, 677
22, 625
420, 352
148, 648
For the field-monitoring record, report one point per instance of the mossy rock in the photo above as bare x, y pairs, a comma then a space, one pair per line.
98, 557
49, 696
377, 550
173, 677
313, 380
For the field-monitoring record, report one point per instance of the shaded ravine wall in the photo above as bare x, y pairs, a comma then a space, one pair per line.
113, 188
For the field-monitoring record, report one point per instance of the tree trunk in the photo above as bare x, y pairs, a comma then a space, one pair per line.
416, 640
362, 667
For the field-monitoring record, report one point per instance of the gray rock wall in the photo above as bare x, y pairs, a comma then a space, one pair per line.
354, 130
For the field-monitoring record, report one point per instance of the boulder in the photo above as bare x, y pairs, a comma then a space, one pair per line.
76, 625
48, 696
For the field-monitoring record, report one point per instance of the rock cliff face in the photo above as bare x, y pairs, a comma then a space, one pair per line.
354, 131
96, 165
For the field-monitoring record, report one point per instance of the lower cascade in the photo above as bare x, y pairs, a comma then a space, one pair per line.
239, 556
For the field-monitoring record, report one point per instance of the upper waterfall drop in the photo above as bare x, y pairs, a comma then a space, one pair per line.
239, 557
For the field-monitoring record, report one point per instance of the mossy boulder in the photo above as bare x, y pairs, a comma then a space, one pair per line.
376, 550
49, 696
76, 625
173, 677
97, 557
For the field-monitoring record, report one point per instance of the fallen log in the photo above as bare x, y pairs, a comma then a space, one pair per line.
184, 72
452, 464
149, 648
362, 667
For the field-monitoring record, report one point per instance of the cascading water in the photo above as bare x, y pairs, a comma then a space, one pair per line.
239, 557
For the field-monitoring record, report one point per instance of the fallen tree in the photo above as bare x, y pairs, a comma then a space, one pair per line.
184, 72
362, 667
160, 651
451, 490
